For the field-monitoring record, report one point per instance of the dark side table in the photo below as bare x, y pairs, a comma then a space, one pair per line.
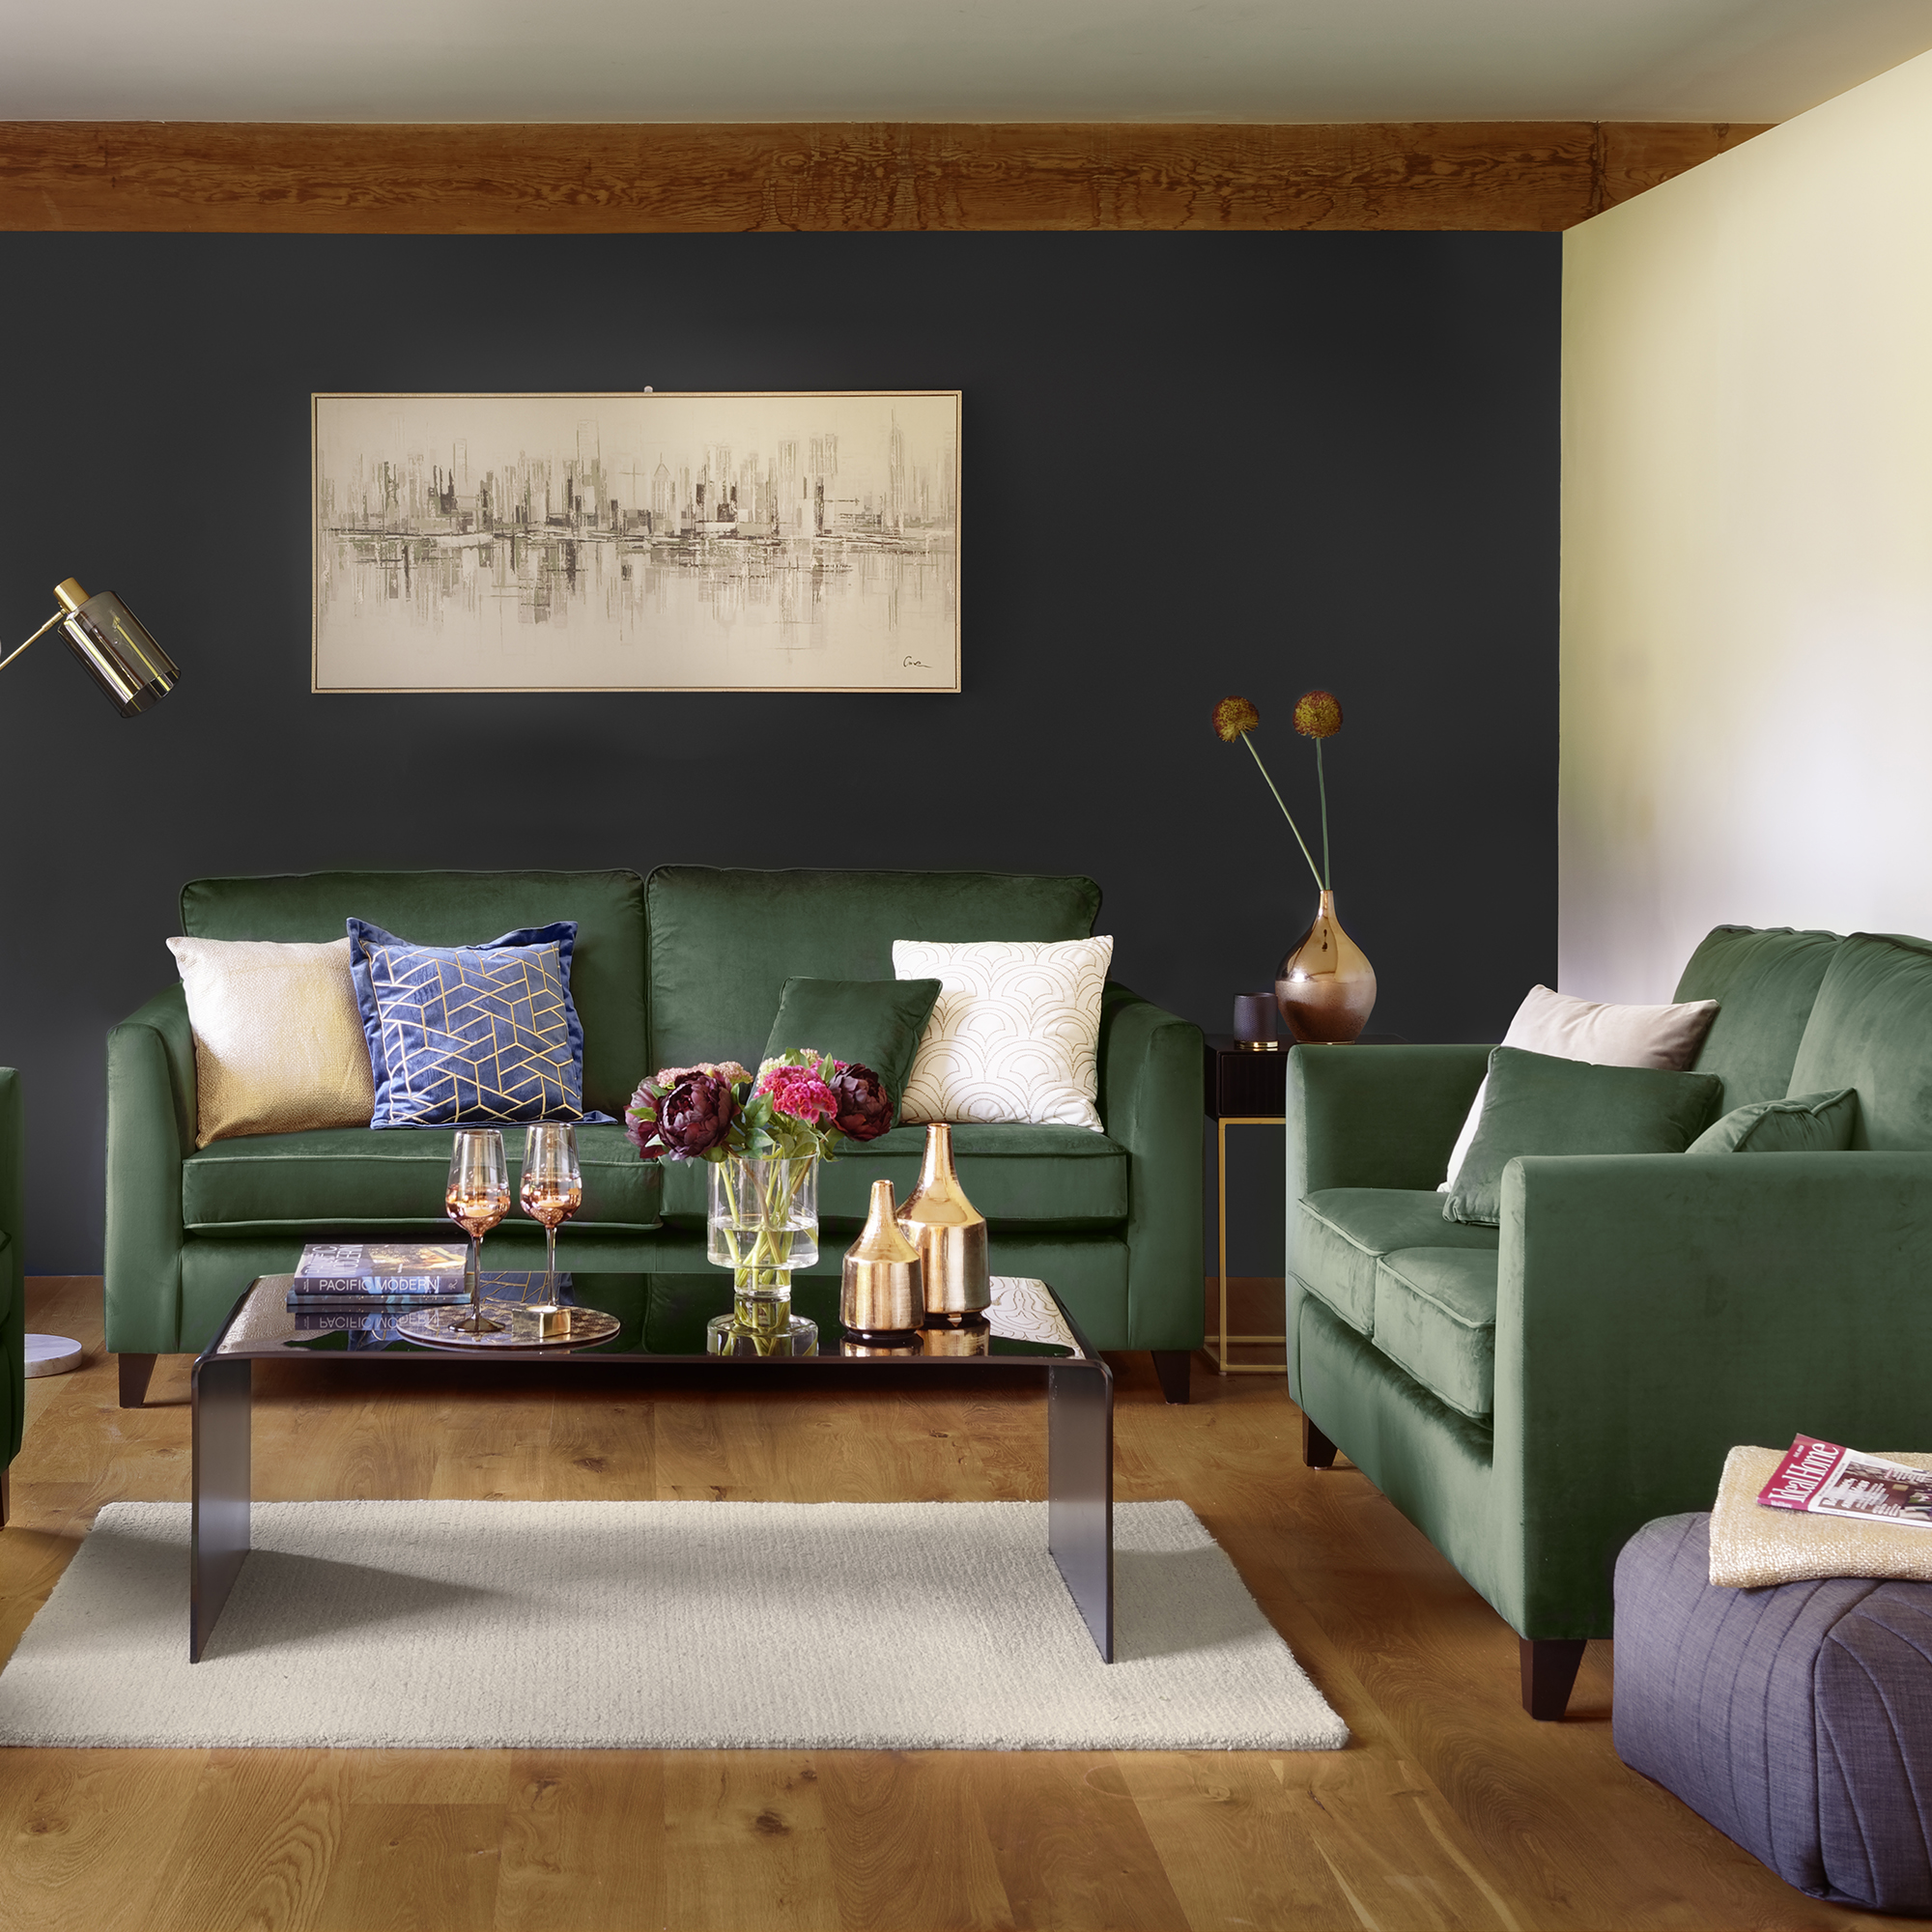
1248, 1086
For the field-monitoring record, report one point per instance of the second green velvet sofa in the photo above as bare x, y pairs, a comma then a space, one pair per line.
1530, 1395
688, 965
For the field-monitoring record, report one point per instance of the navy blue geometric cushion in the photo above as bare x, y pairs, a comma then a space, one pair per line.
470, 1034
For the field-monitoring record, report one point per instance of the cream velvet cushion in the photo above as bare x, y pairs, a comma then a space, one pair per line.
1015, 1035
1666, 1037
278, 1041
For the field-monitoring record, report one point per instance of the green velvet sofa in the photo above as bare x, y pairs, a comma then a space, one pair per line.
688, 965
1530, 1395
13, 1297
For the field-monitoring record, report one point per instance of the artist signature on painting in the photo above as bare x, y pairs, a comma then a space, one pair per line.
914, 664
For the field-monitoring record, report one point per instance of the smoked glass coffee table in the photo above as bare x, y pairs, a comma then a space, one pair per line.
660, 1332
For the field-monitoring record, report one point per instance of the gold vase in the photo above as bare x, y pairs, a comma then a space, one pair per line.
882, 1286
948, 1231
1326, 987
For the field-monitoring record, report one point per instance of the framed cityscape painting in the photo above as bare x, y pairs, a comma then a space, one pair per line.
674, 542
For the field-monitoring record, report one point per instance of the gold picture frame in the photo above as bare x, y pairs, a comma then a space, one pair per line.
757, 541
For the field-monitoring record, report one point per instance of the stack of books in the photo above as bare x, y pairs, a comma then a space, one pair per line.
339, 1278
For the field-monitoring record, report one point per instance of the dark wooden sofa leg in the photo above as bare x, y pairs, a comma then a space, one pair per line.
135, 1374
1317, 1451
1549, 1666
1172, 1366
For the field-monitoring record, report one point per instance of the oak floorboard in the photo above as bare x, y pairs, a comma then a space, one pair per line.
1071, 1846
81, 1833
600, 1449
414, 1868
582, 1843
745, 1843
907, 1856
257, 1844
1311, 1839
1449, 1809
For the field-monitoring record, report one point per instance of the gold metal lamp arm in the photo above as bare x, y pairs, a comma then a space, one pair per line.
34, 639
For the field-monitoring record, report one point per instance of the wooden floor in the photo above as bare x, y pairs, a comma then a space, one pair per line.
1451, 1808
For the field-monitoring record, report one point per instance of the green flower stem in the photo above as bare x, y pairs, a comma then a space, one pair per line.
1322, 784
1287, 815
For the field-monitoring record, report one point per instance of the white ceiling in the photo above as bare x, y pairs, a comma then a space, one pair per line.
943, 60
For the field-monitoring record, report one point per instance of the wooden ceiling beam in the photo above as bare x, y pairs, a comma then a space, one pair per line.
281, 178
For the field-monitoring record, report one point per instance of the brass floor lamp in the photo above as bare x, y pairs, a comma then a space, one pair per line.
134, 672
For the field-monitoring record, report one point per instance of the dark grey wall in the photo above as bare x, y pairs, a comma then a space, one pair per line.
1194, 465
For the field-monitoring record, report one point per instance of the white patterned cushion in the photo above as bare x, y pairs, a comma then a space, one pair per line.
1015, 1035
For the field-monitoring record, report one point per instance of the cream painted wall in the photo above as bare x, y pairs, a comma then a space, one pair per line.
1748, 547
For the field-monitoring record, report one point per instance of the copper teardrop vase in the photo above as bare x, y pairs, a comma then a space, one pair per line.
1326, 987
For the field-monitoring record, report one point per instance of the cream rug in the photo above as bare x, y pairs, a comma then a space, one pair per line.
863, 1625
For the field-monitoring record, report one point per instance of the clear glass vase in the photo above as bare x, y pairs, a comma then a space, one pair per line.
763, 1225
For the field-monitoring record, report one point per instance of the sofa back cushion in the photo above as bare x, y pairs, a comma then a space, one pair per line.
606, 972
723, 942
1872, 1029
1765, 983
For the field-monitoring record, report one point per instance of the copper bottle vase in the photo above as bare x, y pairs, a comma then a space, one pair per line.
1326, 987
882, 1290
948, 1231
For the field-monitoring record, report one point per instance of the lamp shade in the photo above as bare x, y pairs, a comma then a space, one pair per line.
111, 641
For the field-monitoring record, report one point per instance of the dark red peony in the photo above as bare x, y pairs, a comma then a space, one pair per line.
865, 1109
681, 1111
694, 1116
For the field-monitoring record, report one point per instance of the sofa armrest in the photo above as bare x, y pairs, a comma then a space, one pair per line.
1375, 1116
12, 1264
1653, 1309
1150, 1100
151, 1104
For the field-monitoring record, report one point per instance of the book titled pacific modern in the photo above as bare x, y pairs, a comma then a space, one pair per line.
377, 1274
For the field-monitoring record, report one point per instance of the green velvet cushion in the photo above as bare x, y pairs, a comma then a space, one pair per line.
1808, 1124
875, 1022
607, 967
346, 1175
724, 943
1341, 1234
1765, 984
1034, 1177
1435, 1316
1872, 1029
1538, 1104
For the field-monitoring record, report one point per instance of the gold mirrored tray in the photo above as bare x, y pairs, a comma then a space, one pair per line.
435, 1328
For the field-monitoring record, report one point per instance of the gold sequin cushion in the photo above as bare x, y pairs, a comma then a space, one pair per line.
1752, 1547
278, 1039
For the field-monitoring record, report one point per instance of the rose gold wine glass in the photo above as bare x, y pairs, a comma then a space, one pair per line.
553, 1191
476, 1198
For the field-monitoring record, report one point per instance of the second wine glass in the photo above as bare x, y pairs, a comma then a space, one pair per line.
476, 1198
553, 1188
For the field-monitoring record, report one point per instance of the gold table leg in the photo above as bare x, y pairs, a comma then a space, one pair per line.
1219, 1356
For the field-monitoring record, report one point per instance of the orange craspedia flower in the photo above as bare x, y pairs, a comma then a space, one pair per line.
1234, 715
1317, 714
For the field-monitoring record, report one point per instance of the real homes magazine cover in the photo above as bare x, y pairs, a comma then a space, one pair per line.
745, 542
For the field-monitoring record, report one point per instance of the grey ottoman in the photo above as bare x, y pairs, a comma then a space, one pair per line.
1798, 1720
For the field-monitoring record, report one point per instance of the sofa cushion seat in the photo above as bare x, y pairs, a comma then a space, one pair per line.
349, 1176
1018, 1177
1435, 1318
1344, 1232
